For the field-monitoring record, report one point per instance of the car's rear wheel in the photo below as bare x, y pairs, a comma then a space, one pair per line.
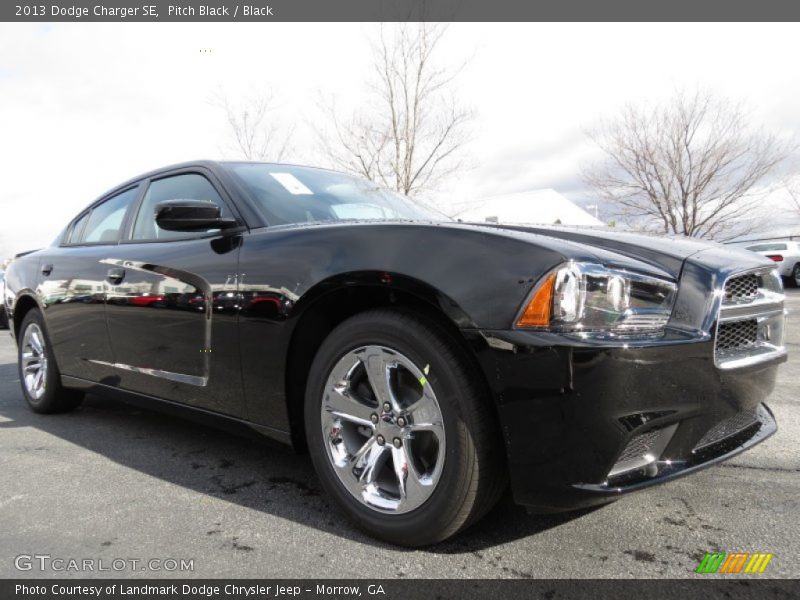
796, 275
400, 430
38, 372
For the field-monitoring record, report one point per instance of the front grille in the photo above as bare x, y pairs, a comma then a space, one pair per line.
728, 427
737, 335
750, 321
741, 289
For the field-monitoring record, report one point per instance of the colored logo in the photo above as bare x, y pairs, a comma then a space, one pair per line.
734, 562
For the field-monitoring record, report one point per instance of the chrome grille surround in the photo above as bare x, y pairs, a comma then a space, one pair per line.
750, 323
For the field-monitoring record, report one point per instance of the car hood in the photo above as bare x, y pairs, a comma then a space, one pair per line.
662, 256
664, 252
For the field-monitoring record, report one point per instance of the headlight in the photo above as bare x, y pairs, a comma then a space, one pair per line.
585, 297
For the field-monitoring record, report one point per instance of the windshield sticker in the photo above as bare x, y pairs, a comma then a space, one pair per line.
292, 184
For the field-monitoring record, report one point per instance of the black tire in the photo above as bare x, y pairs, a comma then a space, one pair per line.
55, 398
3, 317
473, 476
794, 279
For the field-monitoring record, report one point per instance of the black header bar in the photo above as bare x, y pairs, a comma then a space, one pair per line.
399, 10
706, 587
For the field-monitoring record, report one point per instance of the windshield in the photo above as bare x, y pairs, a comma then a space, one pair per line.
289, 194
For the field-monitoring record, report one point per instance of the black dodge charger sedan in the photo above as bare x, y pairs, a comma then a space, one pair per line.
423, 363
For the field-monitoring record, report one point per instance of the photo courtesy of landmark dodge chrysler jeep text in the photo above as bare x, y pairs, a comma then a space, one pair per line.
425, 364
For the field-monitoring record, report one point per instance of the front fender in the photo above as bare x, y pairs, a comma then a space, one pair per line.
388, 281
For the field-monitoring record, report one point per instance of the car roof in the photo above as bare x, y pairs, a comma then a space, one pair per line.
211, 165
155, 172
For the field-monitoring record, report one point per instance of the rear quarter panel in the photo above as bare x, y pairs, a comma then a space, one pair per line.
20, 281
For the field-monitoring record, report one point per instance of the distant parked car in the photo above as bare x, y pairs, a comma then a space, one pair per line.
786, 255
3, 316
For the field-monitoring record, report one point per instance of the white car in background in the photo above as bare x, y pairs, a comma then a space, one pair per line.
786, 256
3, 317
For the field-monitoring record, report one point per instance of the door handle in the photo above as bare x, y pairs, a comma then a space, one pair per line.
116, 275
47, 269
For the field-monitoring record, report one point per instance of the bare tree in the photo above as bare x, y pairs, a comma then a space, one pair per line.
793, 189
254, 133
692, 166
409, 137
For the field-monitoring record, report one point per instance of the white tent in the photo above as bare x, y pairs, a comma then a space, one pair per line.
540, 207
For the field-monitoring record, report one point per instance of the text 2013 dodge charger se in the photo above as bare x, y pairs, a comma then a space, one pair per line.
423, 363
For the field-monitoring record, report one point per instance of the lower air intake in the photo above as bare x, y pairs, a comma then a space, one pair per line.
642, 450
728, 427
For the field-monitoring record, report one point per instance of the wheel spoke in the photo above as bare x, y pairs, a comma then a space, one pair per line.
376, 362
408, 480
339, 403
36, 342
339, 399
30, 360
436, 427
360, 469
369, 463
37, 378
425, 411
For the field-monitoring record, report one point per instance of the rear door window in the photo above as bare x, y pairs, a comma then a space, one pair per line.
105, 220
76, 229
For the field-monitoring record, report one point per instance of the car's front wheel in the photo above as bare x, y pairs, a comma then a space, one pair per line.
400, 430
38, 372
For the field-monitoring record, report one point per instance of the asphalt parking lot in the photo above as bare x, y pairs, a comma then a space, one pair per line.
110, 481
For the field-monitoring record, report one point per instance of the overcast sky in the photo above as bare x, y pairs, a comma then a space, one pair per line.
85, 106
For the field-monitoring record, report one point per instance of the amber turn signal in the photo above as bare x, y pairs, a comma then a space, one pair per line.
537, 313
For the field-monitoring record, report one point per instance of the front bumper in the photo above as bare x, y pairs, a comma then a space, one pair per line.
568, 413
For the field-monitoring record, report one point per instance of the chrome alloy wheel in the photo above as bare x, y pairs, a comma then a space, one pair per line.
383, 429
34, 361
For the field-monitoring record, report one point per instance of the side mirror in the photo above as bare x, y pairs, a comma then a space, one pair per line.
191, 215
